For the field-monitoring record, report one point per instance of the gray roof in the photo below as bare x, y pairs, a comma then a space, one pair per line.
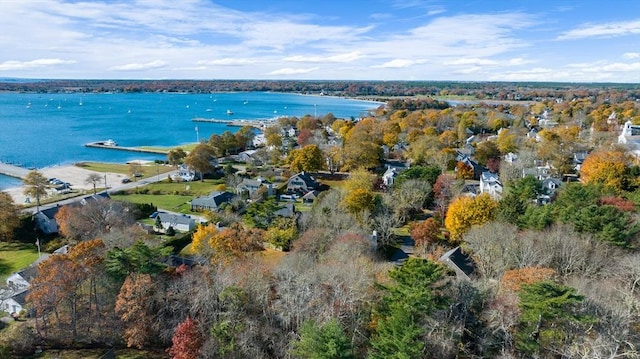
458, 261
175, 218
213, 200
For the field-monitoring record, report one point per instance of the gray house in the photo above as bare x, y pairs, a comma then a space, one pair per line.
45, 220
302, 182
251, 186
179, 222
212, 202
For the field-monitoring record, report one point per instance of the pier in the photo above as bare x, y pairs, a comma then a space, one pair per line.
101, 144
13, 171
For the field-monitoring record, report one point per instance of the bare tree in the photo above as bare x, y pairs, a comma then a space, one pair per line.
93, 179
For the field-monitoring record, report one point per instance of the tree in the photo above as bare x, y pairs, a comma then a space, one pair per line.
9, 217
464, 171
486, 151
609, 168
135, 306
138, 258
309, 158
223, 245
360, 200
35, 186
550, 317
187, 340
326, 341
95, 217
425, 233
93, 179
176, 156
202, 159
465, 212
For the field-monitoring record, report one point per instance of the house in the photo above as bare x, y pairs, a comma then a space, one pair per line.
490, 183
185, 174
578, 159
212, 202
389, 177
511, 157
630, 137
310, 197
539, 172
179, 222
13, 302
464, 158
251, 186
461, 263
302, 182
289, 211
45, 220
248, 157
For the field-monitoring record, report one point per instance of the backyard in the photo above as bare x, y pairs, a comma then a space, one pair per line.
15, 256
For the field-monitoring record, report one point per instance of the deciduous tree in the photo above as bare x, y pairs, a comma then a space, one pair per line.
609, 168
35, 184
201, 159
465, 212
425, 233
309, 158
9, 216
93, 179
187, 340
176, 156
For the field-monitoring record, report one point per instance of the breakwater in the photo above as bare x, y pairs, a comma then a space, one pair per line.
122, 148
259, 124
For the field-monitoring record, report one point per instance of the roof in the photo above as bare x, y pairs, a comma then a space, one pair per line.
175, 218
50, 212
311, 195
306, 178
458, 261
214, 199
289, 210
21, 297
175, 261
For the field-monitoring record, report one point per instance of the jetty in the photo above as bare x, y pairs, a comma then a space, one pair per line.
259, 124
13, 170
101, 144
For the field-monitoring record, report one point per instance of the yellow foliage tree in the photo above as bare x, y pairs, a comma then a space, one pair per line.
228, 243
359, 200
465, 212
609, 168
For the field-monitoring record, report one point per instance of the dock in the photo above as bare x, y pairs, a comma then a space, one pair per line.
13, 170
101, 144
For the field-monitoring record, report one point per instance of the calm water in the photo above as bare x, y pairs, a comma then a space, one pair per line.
39, 130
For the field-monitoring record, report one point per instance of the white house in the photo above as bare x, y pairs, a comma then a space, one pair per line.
490, 183
389, 177
179, 222
630, 137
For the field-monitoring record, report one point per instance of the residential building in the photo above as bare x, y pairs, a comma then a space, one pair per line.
212, 202
490, 184
179, 222
302, 182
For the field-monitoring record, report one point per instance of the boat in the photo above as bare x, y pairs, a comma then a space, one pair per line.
109, 142
229, 112
209, 110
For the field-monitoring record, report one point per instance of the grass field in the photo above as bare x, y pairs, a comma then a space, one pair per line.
186, 148
146, 170
170, 202
15, 256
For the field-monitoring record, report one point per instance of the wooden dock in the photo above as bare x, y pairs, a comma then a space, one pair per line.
122, 148
13, 171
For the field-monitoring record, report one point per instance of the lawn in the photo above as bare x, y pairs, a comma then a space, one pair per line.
15, 256
146, 170
187, 148
170, 202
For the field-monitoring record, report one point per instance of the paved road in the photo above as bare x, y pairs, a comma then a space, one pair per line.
117, 187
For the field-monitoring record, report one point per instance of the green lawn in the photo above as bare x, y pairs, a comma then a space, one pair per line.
170, 202
15, 256
146, 170
187, 148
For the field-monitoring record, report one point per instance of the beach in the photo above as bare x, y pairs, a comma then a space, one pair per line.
74, 175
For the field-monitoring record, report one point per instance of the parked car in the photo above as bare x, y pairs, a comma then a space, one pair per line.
126, 180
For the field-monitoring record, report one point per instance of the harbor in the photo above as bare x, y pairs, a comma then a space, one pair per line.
259, 124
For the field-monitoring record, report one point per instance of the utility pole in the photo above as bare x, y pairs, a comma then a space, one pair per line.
197, 135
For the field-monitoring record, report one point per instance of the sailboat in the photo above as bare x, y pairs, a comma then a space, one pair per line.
229, 112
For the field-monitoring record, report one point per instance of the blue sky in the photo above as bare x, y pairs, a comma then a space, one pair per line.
489, 40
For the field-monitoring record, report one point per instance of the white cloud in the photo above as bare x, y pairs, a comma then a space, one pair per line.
341, 58
292, 71
136, 66
602, 30
471, 61
631, 55
18, 65
227, 62
395, 64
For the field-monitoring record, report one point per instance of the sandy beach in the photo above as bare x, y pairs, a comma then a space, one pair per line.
74, 175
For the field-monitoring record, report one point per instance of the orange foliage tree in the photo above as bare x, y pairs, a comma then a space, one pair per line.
425, 233
134, 305
187, 340
609, 168
463, 171
225, 244
514, 279
465, 212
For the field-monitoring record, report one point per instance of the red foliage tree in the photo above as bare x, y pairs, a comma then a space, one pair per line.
187, 340
621, 203
425, 233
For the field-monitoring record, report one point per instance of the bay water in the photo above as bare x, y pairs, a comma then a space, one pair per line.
40, 130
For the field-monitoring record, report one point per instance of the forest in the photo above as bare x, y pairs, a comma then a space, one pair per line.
517, 223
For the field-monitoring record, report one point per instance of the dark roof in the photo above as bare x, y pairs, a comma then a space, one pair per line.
458, 261
50, 212
176, 261
289, 210
213, 200
29, 273
306, 178
21, 297
311, 195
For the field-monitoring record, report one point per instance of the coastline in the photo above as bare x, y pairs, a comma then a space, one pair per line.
72, 174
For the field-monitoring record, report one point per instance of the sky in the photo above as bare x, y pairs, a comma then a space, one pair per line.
437, 40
